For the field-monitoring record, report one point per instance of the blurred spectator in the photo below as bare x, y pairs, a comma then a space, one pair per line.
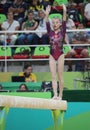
1, 87
86, 20
27, 72
46, 2
23, 87
35, 6
42, 27
70, 25
2, 2
9, 25
74, 14
79, 51
79, 4
19, 8
5, 5
80, 38
3, 90
30, 24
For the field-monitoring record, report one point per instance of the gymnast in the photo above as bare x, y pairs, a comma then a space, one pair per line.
56, 35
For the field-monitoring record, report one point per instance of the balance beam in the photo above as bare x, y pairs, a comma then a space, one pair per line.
27, 102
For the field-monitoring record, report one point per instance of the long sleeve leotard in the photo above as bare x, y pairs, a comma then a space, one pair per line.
56, 40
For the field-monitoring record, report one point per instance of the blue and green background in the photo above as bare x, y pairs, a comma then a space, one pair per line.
76, 117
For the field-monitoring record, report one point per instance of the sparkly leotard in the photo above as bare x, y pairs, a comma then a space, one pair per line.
56, 40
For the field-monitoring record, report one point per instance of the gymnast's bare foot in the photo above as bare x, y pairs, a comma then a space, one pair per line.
59, 98
55, 97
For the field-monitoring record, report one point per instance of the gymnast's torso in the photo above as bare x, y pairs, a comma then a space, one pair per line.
56, 40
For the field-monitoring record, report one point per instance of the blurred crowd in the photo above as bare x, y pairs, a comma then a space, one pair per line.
28, 15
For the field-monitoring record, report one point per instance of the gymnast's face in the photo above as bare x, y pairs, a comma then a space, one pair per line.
56, 24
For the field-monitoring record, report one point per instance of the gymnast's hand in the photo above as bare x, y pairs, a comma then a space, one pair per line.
64, 7
64, 12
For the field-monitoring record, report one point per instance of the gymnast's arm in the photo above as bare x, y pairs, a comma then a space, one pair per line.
47, 12
63, 28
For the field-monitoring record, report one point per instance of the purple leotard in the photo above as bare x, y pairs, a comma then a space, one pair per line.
56, 40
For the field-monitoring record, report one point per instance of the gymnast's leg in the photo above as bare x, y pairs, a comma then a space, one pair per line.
52, 64
60, 75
